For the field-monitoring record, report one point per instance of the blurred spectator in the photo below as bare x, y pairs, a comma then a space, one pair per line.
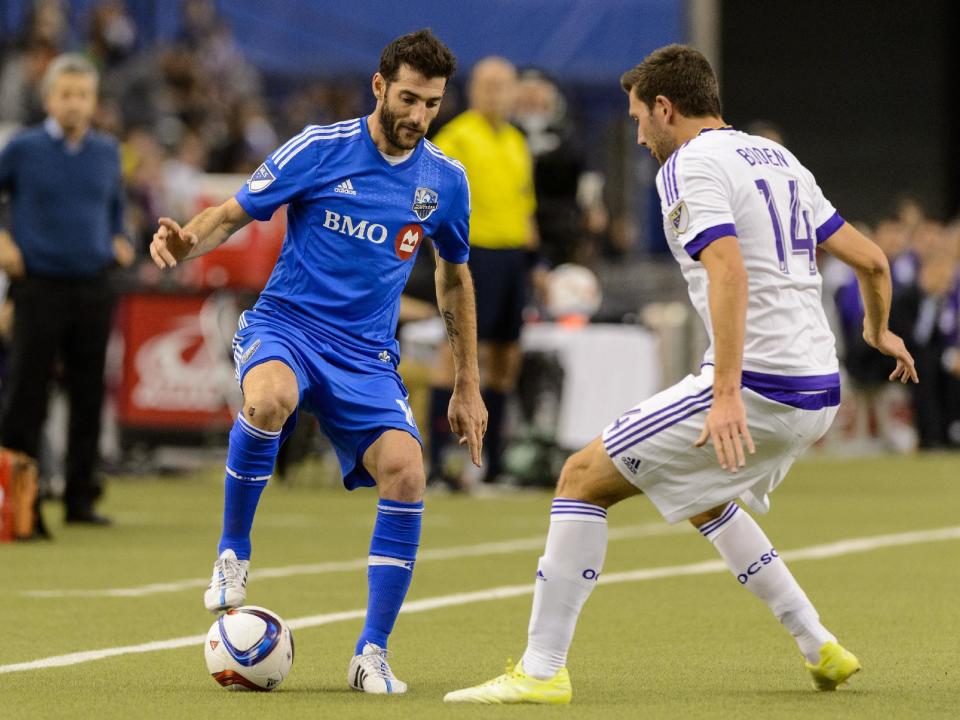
113, 36
250, 138
928, 312
45, 36
502, 234
540, 112
874, 401
142, 166
59, 252
180, 177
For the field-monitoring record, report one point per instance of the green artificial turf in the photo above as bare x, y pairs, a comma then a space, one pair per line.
674, 647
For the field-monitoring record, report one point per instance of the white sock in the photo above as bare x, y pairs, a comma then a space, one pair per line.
757, 566
566, 575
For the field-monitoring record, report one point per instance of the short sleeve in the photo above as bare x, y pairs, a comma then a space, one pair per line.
826, 219
452, 237
695, 202
283, 177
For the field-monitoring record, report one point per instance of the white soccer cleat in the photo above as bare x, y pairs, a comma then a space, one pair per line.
228, 586
370, 672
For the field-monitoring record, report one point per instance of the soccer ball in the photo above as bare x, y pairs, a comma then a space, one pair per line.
249, 648
572, 290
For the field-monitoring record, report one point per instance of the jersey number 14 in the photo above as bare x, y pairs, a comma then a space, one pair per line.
799, 245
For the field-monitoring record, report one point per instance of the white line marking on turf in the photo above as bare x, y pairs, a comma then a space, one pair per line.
814, 552
504, 547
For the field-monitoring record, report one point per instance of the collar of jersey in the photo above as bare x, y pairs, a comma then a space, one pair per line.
706, 130
375, 153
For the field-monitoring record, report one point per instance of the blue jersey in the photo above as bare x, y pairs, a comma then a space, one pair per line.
354, 226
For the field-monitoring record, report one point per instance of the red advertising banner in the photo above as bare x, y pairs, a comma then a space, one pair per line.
175, 375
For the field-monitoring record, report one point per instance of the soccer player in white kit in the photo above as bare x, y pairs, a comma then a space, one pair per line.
743, 218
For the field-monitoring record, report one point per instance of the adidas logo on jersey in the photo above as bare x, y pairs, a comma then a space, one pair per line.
632, 463
345, 188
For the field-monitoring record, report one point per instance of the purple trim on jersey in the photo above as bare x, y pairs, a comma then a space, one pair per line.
673, 177
833, 223
809, 392
803, 401
628, 441
618, 433
705, 237
805, 383
706, 130
717, 523
666, 181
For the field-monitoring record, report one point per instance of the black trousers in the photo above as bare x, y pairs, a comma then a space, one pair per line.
65, 320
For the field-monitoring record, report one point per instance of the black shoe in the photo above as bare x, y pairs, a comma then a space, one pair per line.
87, 517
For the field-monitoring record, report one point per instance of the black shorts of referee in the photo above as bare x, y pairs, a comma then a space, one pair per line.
500, 280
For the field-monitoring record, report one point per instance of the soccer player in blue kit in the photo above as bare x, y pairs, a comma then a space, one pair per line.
361, 197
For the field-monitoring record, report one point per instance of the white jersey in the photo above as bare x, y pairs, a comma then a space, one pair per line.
725, 182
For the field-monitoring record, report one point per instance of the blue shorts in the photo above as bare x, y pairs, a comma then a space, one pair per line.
355, 395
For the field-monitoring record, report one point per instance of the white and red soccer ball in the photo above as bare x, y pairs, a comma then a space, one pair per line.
249, 648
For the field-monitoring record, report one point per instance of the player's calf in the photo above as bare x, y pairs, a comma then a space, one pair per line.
758, 567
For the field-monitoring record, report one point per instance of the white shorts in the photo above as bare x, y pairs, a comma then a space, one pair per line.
652, 445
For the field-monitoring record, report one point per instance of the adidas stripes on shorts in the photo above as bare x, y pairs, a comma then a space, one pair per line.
652, 445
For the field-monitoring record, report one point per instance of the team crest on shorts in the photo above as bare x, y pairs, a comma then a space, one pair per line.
261, 179
425, 202
679, 217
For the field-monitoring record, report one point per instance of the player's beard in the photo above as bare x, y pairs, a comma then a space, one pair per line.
391, 124
661, 146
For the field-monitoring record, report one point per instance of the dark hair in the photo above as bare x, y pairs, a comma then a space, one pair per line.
421, 51
679, 73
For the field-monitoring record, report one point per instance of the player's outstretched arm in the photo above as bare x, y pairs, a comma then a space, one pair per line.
206, 231
873, 273
455, 296
726, 425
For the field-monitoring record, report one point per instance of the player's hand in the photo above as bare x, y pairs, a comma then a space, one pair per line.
171, 244
892, 344
468, 419
726, 427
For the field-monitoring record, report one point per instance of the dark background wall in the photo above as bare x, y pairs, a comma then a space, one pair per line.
865, 92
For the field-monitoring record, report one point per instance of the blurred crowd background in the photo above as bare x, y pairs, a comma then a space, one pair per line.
188, 101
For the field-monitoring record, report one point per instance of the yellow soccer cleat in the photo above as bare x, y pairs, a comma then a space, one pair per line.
836, 666
515, 686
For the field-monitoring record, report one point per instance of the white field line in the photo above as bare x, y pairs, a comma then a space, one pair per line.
835, 549
504, 547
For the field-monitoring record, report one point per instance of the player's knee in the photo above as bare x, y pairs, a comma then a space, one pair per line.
400, 480
707, 516
267, 411
574, 482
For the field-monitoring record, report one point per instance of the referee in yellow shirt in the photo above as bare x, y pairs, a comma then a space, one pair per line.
502, 232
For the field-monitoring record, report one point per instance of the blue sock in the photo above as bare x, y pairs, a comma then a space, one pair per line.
393, 549
250, 460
